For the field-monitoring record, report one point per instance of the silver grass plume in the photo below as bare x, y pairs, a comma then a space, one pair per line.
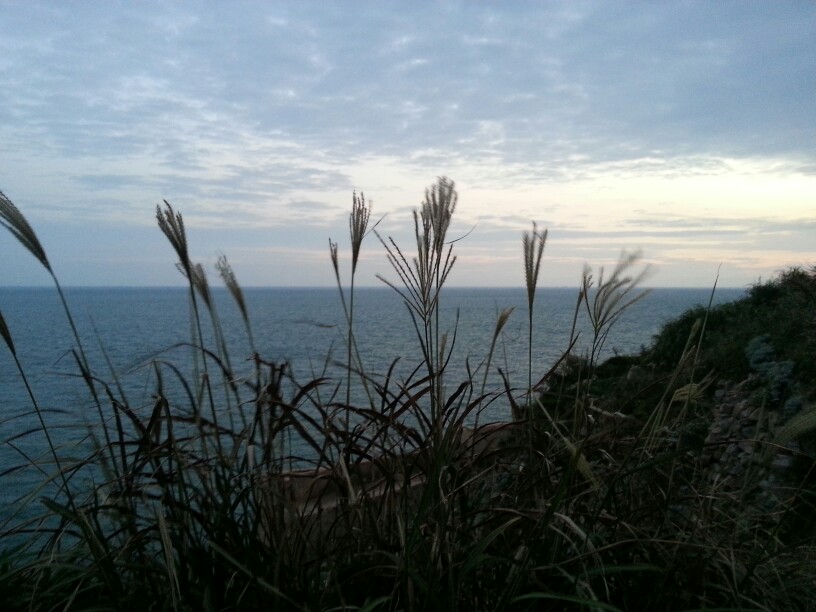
231, 283
358, 226
13, 220
533, 245
172, 225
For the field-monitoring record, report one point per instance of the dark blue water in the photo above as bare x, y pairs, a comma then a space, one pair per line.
124, 330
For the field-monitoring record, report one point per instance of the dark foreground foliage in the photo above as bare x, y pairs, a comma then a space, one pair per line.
595, 496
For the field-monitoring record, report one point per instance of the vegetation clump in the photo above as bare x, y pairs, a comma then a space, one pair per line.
599, 492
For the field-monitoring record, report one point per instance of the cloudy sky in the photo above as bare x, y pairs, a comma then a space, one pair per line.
685, 129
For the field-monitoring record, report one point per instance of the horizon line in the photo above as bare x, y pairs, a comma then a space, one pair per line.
334, 287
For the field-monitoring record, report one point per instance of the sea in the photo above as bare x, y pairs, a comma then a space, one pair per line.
126, 331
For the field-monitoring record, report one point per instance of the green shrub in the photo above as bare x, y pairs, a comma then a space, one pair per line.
780, 310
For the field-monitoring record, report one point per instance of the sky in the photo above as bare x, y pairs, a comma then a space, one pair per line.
684, 129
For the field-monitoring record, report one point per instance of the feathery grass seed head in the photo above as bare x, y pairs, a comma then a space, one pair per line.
358, 224
437, 210
13, 220
228, 276
334, 258
533, 246
172, 225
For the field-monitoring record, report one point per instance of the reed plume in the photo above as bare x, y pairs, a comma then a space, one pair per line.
14, 221
171, 224
533, 246
611, 297
231, 283
358, 227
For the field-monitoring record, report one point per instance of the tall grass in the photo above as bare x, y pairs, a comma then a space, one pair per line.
197, 500
358, 228
420, 286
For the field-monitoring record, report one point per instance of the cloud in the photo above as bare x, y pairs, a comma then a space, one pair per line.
310, 206
611, 84
249, 115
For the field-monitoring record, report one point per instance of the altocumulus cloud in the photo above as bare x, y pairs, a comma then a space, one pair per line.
587, 116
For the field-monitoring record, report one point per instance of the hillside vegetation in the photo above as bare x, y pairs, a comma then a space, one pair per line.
680, 478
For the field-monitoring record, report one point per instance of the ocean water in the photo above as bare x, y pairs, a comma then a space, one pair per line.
125, 330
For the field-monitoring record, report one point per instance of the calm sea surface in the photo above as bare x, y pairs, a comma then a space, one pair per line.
124, 329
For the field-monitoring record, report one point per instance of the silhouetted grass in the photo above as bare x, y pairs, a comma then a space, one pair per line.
591, 496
